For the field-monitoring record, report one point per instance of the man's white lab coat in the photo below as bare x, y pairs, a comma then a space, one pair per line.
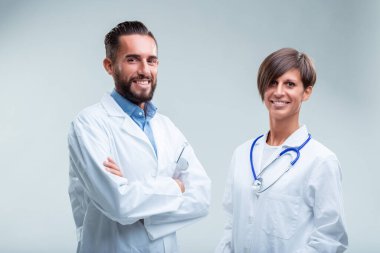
141, 211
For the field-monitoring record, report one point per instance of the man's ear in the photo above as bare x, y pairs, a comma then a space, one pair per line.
108, 66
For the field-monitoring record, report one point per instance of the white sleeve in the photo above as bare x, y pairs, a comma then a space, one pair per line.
225, 244
324, 193
196, 200
120, 200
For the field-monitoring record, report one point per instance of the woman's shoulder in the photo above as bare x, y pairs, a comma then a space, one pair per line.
244, 147
320, 151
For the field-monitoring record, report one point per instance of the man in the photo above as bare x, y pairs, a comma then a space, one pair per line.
152, 183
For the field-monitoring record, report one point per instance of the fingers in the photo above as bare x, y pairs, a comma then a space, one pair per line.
115, 172
110, 160
180, 185
112, 167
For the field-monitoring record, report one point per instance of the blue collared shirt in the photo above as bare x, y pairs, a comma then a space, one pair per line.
138, 115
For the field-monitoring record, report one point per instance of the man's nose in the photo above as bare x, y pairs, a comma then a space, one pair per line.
143, 68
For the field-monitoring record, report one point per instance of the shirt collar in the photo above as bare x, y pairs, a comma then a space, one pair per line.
295, 139
131, 109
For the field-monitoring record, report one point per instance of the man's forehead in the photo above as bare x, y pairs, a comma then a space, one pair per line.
138, 44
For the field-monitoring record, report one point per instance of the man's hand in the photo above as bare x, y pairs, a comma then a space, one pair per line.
180, 184
112, 167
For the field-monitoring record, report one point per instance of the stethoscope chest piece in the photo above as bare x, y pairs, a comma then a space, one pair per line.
257, 184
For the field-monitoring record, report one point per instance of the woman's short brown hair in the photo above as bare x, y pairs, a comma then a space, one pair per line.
281, 61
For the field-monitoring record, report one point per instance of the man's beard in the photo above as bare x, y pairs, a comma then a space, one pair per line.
125, 88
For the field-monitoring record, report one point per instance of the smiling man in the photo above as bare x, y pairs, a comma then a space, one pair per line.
134, 179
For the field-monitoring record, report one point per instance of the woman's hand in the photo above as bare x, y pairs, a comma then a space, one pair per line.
112, 167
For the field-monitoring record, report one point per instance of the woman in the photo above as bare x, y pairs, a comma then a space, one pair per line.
292, 203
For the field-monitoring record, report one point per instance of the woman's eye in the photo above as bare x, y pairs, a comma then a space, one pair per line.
273, 83
291, 84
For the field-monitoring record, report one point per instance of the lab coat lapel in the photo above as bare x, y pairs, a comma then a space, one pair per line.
165, 146
157, 138
258, 154
294, 140
279, 167
261, 150
168, 144
128, 125
297, 138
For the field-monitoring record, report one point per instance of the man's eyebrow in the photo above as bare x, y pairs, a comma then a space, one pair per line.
133, 55
137, 56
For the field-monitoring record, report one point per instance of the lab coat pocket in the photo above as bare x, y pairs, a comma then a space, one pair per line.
280, 215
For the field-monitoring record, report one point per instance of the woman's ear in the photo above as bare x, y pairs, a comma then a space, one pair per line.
307, 93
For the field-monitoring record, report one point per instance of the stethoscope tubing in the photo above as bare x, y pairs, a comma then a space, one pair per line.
292, 163
251, 156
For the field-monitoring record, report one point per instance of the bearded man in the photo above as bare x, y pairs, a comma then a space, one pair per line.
134, 178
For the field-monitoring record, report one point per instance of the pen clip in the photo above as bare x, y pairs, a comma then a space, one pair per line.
183, 149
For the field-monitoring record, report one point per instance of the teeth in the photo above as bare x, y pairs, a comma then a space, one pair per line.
279, 102
142, 81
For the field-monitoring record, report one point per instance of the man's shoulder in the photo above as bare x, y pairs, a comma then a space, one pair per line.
162, 118
90, 113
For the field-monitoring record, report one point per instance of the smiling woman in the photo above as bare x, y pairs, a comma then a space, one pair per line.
283, 97
283, 191
285, 80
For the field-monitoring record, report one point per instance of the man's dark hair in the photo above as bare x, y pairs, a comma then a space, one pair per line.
111, 41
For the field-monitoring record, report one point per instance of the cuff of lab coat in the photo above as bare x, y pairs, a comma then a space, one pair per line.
165, 186
307, 250
173, 190
159, 230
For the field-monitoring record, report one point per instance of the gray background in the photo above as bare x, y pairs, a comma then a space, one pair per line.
51, 67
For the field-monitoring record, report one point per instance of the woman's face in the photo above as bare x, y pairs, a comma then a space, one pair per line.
284, 96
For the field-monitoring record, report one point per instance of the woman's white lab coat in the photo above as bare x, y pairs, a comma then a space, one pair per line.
141, 211
302, 212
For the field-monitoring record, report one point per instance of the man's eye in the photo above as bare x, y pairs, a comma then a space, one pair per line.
131, 60
153, 61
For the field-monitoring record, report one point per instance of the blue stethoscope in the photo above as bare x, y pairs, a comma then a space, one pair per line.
258, 180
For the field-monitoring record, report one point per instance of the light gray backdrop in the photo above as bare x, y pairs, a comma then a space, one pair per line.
51, 67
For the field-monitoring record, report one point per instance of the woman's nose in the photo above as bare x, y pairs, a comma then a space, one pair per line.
279, 91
